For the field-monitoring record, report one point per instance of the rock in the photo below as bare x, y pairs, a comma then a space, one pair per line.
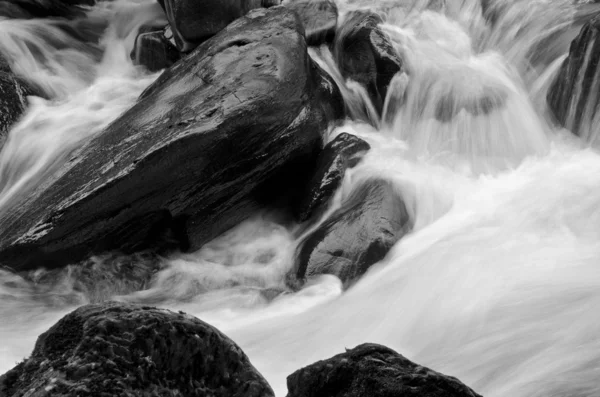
344, 152
13, 101
375, 371
154, 50
319, 18
354, 237
195, 21
190, 159
116, 349
365, 54
574, 96
24, 9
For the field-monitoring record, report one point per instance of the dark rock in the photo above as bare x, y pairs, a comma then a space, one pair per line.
154, 50
13, 101
371, 370
364, 53
195, 21
574, 96
24, 9
354, 237
116, 349
344, 152
319, 18
189, 159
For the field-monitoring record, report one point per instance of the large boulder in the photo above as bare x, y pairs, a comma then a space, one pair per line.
354, 237
343, 152
195, 21
319, 18
194, 157
371, 370
155, 49
116, 349
42, 8
365, 54
574, 96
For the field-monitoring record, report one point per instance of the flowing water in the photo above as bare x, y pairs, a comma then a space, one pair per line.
498, 284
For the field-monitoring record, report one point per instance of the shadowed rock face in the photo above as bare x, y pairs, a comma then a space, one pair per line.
154, 49
194, 21
42, 8
574, 96
354, 237
189, 158
12, 101
319, 18
117, 349
375, 371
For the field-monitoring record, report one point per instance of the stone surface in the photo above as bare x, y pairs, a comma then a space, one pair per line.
371, 370
354, 237
344, 152
319, 18
13, 101
117, 349
195, 21
365, 54
574, 96
154, 50
191, 159
42, 8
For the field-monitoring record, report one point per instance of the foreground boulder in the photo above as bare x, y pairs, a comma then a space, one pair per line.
319, 18
42, 8
191, 159
364, 53
371, 370
155, 49
117, 349
338, 155
354, 237
195, 21
574, 96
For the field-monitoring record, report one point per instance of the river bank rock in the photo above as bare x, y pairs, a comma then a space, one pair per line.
344, 152
574, 96
189, 160
195, 21
25, 9
356, 236
364, 53
155, 49
319, 18
116, 349
371, 370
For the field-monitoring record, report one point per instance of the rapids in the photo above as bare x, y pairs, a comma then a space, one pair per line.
498, 284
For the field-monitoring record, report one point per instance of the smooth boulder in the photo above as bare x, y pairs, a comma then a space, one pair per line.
117, 349
371, 370
574, 95
195, 21
355, 237
319, 18
193, 158
343, 152
155, 49
365, 54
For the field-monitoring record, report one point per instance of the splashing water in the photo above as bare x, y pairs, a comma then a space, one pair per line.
496, 285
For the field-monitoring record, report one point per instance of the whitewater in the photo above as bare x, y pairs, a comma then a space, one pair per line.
498, 284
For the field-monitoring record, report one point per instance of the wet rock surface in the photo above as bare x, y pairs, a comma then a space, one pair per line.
356, 236
574, 96
365, 54
319, 18
344, 152
188, 160
13, 100
196, 21
375, 371
117, 349
155, 49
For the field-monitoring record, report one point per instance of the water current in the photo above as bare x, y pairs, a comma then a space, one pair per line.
498, 284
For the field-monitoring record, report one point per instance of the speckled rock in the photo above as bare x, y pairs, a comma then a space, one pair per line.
13, 101
319, 18
371, 370
117, 349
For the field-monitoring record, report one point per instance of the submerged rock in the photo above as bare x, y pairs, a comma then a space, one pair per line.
22, 9
371, 370
364, 53
195, 21
338, 155
155, 50
574, 96
354, 237
319, 18
190, 159
117, 349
